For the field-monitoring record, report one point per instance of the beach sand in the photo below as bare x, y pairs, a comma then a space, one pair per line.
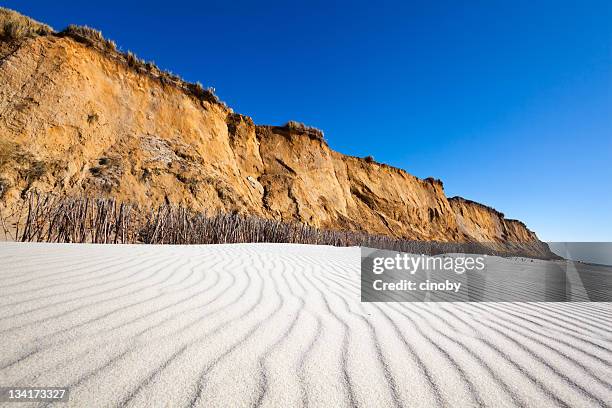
278, 325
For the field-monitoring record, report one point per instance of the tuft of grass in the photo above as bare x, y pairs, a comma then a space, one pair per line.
89, 36
369, 159
302, 128
203, 94
197, 89
132, 60
432, 180
151, 67
14, 26
84, 31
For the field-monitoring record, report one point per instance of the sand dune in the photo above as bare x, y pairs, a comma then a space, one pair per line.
278, 326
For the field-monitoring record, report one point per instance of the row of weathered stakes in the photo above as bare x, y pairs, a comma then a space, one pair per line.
48, 218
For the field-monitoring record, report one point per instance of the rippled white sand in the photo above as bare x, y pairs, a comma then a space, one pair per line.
278, 326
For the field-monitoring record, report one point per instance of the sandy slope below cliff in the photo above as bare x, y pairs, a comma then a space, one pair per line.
278, 325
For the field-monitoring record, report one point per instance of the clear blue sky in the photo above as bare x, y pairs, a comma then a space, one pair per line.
508, 102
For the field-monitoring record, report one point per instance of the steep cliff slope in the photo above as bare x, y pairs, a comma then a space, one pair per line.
77, 117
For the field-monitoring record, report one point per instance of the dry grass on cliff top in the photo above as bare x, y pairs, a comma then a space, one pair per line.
303, 128
94, 39
14, 25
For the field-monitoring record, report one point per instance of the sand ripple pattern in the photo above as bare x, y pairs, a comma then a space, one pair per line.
275, 325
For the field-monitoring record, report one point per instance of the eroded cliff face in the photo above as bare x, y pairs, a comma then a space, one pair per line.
74, 120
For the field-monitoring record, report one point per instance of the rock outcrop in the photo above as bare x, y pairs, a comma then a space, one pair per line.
77, 118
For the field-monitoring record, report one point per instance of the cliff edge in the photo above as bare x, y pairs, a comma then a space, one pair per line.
77, 117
